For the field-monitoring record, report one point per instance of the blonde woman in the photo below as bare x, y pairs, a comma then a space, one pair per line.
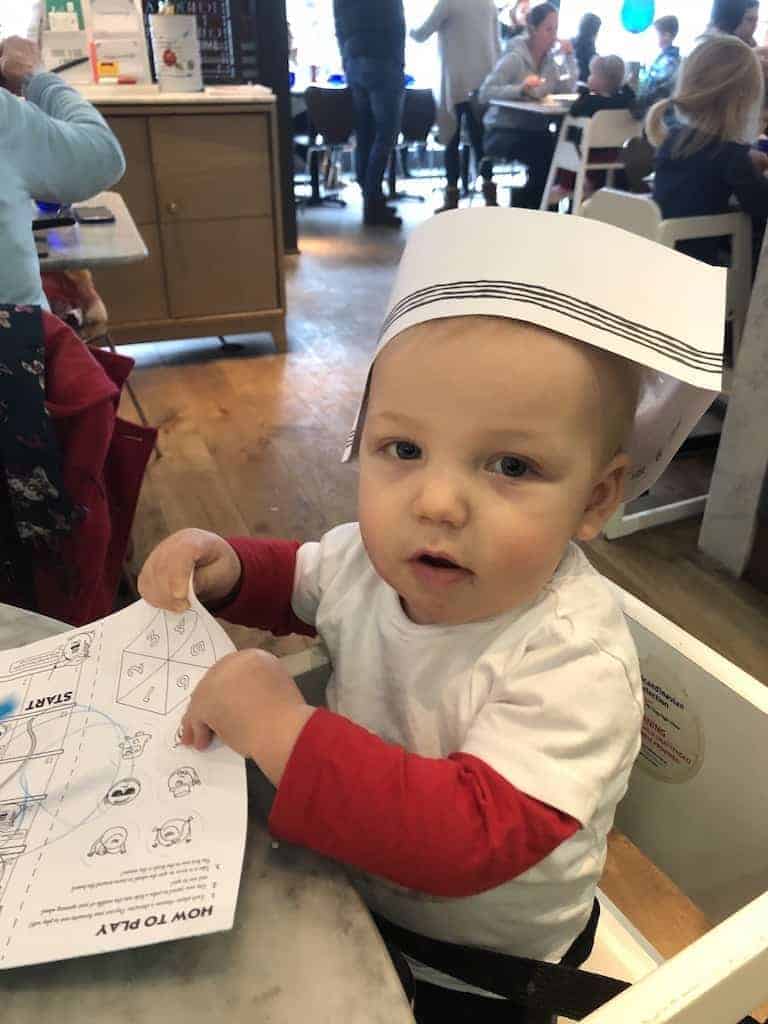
706, 158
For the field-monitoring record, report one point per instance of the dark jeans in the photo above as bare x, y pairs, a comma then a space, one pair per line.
534, 149
377, 91
464, 113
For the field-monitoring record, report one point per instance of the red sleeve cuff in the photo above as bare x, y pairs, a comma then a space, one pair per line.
263, 597
448, 827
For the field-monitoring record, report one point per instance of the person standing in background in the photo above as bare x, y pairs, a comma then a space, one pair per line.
584, 44
54, 147
468, 36
371, 37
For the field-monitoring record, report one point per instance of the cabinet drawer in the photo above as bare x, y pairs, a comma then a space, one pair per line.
220, 266
136, 185
136, 292
210, 166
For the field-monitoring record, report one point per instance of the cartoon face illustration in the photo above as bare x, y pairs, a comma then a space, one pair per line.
110, 842
122, 792
133, 746
182, 780
173, 831
77, 647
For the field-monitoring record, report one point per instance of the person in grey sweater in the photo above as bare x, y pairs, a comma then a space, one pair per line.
527, 70
54, 146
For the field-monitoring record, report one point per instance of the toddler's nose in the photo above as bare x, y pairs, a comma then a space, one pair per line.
441, 499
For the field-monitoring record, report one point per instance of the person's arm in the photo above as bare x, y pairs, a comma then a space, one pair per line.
61, 145
746, 182
450, 827
560, 729
506, 81
570, 71
438, 16
262, 598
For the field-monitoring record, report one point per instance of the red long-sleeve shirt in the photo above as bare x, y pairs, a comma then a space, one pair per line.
449, 827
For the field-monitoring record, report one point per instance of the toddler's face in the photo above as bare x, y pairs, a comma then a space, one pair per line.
480, 458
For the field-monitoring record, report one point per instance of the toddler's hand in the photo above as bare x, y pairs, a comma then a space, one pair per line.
253, 705
164, 578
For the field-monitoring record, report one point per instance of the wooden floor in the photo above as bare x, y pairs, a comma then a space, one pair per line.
251, 441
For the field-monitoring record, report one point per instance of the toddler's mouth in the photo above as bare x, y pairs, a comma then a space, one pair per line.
438, 560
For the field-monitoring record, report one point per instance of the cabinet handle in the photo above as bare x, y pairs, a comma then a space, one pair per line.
172, 207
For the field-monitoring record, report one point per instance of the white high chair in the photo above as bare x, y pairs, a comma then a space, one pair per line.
607, 129
703, 821
640, 215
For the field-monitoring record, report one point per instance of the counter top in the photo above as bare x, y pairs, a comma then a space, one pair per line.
132, 95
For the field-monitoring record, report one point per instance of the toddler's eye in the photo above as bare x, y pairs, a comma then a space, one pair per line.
403, 449
510, 465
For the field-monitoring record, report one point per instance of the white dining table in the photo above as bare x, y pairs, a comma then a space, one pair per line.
554, 105
92, 246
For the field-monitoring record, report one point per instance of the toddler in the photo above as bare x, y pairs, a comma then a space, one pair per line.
605, 88
484, 710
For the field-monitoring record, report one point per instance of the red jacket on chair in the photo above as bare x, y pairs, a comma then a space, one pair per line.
103, 463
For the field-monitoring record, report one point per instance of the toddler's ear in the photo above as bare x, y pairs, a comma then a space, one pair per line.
606, 496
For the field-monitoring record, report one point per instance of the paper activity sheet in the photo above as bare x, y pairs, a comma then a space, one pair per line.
112, 834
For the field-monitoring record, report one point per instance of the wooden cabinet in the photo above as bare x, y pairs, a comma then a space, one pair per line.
202, 185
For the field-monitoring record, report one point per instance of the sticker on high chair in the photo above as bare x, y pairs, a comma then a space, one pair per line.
672, 737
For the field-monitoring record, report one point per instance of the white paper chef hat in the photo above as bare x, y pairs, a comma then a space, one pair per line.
589, 281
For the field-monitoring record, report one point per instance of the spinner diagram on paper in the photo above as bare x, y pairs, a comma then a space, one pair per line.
163, 664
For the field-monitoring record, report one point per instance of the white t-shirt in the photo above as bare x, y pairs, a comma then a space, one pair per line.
548, 695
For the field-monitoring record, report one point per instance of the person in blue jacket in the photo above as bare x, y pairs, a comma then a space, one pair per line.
54, 146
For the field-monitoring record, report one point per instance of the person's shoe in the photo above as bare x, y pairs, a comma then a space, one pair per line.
450, 199
378, 214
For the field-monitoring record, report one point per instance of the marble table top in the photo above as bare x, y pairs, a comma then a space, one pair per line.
303, 947
95, 245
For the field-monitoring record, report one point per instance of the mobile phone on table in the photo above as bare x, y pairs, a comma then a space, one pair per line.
93, 214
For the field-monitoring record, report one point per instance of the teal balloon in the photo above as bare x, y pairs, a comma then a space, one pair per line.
637, 15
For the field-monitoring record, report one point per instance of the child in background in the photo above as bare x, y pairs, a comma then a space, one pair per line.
605, 90
707, 158
484, 711
662, 74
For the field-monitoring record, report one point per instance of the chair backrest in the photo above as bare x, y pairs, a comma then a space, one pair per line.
419, 114
332, 113
611, 129
629, 210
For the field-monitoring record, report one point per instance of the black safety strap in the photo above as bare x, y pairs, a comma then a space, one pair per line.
533, 984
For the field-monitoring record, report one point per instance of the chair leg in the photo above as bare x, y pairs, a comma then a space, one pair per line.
317, 198
551, 175
578, 191
133, 396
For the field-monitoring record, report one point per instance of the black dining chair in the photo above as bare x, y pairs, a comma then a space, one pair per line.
332, 116
419, 116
